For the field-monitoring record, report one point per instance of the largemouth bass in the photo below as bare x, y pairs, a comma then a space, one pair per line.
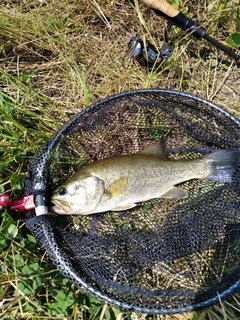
119, 183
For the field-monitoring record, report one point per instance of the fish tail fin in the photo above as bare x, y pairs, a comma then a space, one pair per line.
223, 164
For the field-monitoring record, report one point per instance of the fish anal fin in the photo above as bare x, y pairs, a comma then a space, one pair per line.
175, 193
157, 148
124, 207
118, 188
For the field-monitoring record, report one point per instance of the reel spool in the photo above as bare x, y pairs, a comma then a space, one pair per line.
139, 49
163, 256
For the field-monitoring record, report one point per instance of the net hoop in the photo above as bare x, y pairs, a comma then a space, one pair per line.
41, 228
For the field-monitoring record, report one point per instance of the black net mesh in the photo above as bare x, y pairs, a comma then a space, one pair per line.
163, 256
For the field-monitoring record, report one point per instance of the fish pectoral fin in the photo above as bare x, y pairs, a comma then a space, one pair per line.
124, 207
118, 188
175, 193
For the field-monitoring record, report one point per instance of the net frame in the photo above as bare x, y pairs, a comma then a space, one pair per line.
41, 226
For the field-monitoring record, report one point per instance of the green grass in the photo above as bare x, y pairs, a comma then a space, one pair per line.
57, 57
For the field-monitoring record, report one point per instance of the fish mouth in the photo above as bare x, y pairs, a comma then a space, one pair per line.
57, 206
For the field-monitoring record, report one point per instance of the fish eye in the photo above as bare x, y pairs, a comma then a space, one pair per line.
62, 191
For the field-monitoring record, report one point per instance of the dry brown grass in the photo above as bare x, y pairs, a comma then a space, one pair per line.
74, 51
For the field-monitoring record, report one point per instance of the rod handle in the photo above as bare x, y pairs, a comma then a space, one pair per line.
163, 6
176, 17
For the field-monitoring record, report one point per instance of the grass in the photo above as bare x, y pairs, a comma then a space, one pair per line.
57, 57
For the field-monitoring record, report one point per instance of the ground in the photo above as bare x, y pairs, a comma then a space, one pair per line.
57, 58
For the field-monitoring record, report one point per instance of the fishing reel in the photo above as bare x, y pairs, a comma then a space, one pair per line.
139, 48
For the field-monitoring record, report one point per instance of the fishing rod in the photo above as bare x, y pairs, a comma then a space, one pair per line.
175, 17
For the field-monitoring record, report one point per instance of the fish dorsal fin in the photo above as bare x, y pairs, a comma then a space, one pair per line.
157, 148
